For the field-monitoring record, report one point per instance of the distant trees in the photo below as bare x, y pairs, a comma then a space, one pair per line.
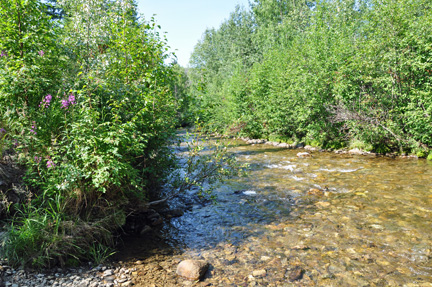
329, 73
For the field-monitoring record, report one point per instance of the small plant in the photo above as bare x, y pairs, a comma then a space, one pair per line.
32, 236
99, 253
360, 145
205, 163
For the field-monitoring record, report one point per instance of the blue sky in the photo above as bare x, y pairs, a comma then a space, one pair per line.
186, 20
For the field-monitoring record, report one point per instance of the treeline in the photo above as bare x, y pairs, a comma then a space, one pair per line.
329, 73
88, 108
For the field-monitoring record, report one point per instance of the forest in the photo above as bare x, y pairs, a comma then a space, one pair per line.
90, 103
332, 74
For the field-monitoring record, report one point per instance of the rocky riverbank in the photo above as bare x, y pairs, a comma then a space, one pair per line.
353, 151
100, 276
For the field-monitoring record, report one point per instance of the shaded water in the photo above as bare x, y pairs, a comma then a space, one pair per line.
342, 220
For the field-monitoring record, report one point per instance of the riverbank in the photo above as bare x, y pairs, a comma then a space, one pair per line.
350, 151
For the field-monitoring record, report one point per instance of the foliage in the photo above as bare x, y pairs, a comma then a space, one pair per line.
205, 163
89, 107
41, 238
329, 72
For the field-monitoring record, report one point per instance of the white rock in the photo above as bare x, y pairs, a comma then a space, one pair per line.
355, 151
249, 192
304, 154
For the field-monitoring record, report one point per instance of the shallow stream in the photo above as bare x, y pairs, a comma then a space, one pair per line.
325, 220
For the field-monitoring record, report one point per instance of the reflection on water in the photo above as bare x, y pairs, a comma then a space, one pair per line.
345, 220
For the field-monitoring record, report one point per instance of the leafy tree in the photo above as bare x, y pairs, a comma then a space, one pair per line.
324, 72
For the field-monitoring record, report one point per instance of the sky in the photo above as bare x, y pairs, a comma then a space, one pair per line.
185, 21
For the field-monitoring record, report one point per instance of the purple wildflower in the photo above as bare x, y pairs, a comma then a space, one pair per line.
46, 101
50, 164
69, 101
65, 104
3, 54
41, 53
33, 128
2, 130
37, 159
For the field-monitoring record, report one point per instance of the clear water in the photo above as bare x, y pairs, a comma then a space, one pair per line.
344, 220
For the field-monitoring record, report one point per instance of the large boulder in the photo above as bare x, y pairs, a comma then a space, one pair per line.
192, 269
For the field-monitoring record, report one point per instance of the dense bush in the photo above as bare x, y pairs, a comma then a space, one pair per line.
88, 106
327, 73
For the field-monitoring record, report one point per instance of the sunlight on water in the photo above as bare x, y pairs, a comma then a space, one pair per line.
344, 220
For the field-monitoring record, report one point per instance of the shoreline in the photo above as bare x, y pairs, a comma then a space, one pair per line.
347, 151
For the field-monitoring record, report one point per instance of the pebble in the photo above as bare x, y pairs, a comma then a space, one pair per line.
296, 274
90, 277
259, 273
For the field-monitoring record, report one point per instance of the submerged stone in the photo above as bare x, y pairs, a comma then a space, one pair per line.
296, 274
192, 269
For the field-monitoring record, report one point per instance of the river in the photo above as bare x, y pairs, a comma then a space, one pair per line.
325, 220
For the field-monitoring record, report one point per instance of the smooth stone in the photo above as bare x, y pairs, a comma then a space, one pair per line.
109, 279
108, 272
146, 229
355, 151
259, 273
304, 154
310, 148
192, 269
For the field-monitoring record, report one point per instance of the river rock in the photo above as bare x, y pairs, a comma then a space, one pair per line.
192, 269
256, 141
315, 192
155, 219
259, 273
145, 230
355, 151
300, 145
304, 154
310, 148
296, 274
284, 145
171, 213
